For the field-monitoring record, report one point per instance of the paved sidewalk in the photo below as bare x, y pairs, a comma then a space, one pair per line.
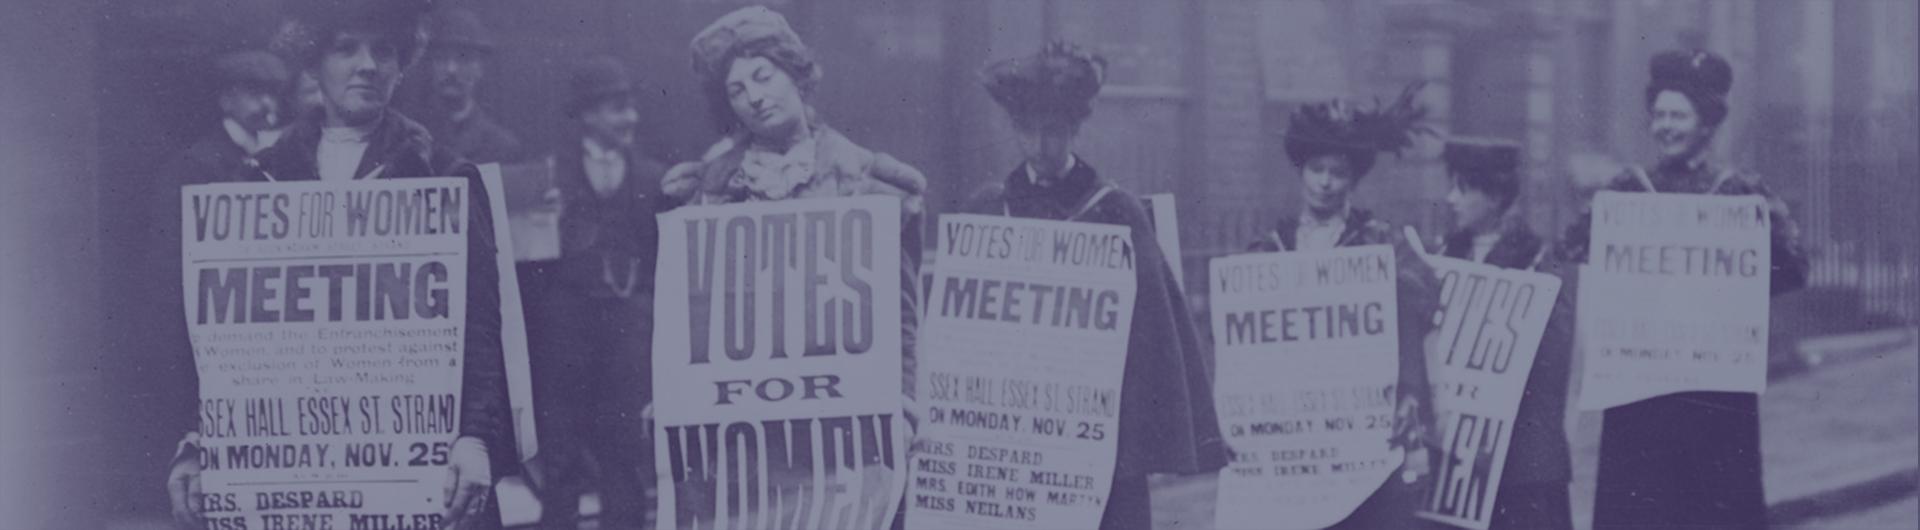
1841, 424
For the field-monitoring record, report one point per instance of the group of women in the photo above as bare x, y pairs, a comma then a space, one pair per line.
1684, 460
1688, 460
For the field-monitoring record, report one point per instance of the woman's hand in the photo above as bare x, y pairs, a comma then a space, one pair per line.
183, 489
469, 482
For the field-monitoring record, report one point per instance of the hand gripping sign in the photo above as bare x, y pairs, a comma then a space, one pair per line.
1674, 297
777, 362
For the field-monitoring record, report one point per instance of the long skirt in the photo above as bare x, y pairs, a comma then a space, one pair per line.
1688, 460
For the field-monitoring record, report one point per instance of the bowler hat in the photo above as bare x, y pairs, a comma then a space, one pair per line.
252, 68
595, 80
459, 27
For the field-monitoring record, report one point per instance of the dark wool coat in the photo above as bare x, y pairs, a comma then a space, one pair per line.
1167, 419
401, 148
1691, 458
1533, 487
614, 236
1418, 295
477, 139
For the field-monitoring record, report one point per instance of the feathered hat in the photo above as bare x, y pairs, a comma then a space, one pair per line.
1357, 134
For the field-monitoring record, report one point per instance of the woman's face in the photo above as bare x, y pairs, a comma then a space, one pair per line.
1328, 180
1046, 145
1677, 129
764, 97
357, 74
1472, 208
611, 122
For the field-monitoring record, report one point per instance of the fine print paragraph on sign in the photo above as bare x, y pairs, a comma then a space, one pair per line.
1021, 362
1308, 347
1674, 297
327, 328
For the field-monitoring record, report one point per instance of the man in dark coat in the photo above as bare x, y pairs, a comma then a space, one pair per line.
251, 96
458, 54
356, 49
595, 375
252, 100
1334, 146
1690, 459
1167, 419
1533, 487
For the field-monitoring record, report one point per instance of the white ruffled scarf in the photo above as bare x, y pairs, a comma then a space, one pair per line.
776, 175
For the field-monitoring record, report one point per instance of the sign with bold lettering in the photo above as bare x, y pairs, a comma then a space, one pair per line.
1308, 346
1021, 359
777, 365
1674, 297
1486, 334
327, 321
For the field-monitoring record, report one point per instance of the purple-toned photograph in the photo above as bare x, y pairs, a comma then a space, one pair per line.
960, 264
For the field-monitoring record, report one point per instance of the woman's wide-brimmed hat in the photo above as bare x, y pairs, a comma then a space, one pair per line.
1057, 84
1358, 134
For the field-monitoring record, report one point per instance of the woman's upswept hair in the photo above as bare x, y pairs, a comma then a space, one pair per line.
1704, 78
1337, 128
311, 26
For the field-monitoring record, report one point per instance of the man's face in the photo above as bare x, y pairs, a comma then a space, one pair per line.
764, 97
455, 70
1328, 180
254, 109
1472, 208
357, 75
1046, 145
1676, 126
611, 122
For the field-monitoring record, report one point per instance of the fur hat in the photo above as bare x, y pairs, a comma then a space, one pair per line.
747, 28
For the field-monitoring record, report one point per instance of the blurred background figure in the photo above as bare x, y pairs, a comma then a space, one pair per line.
253, 113
458, 54
594, 373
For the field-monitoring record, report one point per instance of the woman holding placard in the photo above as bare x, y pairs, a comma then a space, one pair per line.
1333, 145
1486, 183
1689, 459
1167, 422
